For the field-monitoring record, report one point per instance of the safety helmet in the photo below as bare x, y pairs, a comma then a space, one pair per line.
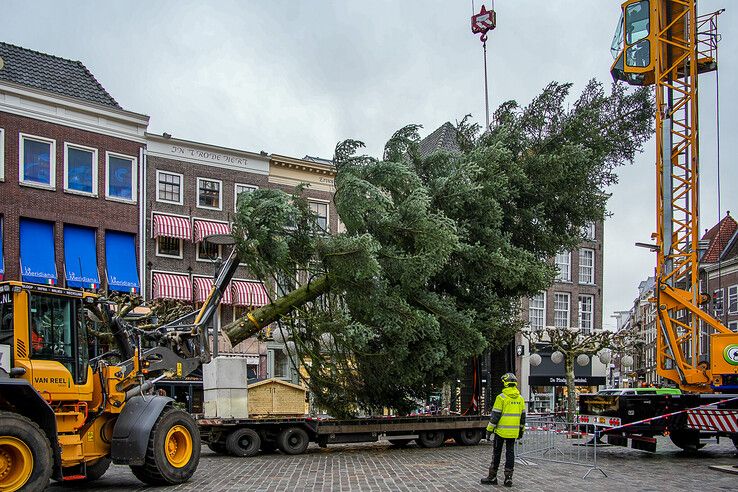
509, 379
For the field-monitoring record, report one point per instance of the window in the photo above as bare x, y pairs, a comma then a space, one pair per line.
208, 193
717, 302
121, 172
207, 251
37, 162
281, 364
733, 299
320, 209
563, 265
537, 311
242, 188
169, 187
80, 169
586, 266
2, 154
588, 231
586, 313
169, 246
733, 325
561, 310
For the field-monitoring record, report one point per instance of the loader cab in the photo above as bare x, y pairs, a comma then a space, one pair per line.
44, 330
633, 43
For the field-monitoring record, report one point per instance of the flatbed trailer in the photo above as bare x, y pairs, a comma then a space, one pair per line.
246, 437
688, 419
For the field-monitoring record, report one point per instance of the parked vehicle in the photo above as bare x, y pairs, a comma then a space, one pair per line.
246, 437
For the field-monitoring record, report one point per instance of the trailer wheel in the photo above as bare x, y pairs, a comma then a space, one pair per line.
399, 443
243, 443
25, 454
468, 437
430, 439
687, 440
293, 440
217, 447
173, 452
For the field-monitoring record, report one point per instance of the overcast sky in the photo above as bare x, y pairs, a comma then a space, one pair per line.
294, 78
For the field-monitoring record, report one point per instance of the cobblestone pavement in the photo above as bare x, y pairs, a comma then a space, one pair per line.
377, 466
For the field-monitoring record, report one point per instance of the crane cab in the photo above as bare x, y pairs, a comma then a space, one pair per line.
650, 41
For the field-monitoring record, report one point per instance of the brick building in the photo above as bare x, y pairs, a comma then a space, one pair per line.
574, 300
191, 192
69, 176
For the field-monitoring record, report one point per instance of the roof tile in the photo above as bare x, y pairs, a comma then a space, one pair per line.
53, 74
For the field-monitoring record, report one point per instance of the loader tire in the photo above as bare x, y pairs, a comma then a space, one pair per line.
25, 454
173, 451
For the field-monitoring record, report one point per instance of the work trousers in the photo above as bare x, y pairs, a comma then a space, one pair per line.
497, 444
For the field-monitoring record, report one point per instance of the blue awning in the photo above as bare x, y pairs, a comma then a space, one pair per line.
37, 252
80, 257
120, 260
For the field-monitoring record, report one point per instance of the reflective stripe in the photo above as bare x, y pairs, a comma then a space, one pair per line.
508, 427
497, 410
511, 415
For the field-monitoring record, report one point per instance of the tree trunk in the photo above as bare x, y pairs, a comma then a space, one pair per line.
571, 400
242, 328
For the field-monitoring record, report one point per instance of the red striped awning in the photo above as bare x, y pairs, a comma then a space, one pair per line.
205, 228
171, 226
249, 293
203, 286
172, 286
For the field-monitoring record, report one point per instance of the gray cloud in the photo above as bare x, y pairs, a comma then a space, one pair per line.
296, 77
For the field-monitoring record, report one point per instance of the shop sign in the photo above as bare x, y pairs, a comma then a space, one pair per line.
561, 380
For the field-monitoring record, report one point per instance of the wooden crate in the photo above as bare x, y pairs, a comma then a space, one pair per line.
276, 397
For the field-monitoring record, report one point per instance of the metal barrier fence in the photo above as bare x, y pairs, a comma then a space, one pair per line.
549, 438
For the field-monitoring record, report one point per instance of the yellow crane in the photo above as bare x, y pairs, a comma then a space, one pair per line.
665, 43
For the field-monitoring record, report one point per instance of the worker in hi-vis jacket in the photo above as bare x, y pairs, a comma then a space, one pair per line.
507, 423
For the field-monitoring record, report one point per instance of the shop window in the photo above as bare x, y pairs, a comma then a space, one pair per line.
320, 209
242, 188
37, 161
121, 172
209, 193
169, 246
80, 169
563, 265
169, 187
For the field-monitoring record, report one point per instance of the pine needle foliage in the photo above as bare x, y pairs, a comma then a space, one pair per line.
438, 250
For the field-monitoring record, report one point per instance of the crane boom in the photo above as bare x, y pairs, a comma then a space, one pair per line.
665, 44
